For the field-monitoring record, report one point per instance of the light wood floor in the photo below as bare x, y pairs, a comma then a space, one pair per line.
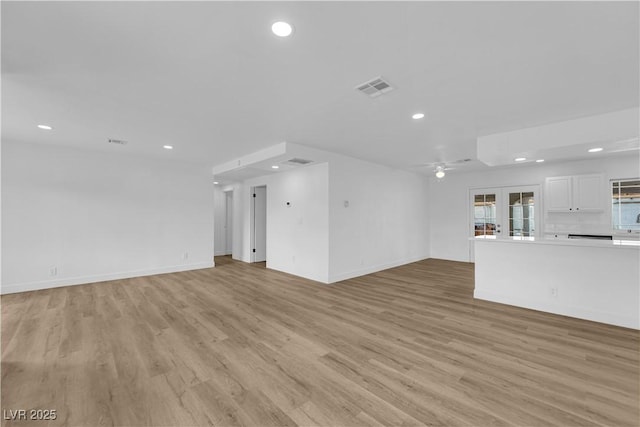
242, 345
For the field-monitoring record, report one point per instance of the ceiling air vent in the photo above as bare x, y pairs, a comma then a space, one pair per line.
375, 87
117, 141
298, 162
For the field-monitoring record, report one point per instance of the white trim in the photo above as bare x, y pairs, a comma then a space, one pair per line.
563, 310
373, 269
81, 280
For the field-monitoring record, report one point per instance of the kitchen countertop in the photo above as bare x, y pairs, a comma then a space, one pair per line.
615, 243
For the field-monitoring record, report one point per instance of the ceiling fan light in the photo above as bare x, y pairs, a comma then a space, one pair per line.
439, 172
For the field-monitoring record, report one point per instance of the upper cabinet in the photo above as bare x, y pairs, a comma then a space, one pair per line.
579, 193
557, 194
587, 193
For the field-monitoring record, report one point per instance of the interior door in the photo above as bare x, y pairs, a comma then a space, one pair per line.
259, 224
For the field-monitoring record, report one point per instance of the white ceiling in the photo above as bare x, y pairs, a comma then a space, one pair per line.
212, 80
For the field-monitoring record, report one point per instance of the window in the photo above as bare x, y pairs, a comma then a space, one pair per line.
625, 204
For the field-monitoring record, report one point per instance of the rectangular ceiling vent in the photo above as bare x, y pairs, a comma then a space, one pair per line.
375, 87
298, 162
117, 141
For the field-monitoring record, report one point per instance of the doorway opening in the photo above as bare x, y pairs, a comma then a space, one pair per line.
228, 223
259, 224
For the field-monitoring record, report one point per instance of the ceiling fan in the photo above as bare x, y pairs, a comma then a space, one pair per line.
439, 168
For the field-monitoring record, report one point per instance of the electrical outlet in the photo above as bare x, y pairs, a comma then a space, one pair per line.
53, 271
185, 255
553, 291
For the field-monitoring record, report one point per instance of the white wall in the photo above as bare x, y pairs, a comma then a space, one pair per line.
96, 216
386, 221
449, 207
317, 237
298, 235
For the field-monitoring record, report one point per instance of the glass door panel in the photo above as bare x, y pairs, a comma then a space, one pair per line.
484, 214
521, 212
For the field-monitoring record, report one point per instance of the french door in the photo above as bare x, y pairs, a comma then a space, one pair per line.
504, 212
486, 216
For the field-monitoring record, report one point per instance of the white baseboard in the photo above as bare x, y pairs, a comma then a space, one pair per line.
70, 281
563, 310
373, 269
322, 280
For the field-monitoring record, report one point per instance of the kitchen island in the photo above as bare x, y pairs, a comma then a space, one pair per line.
593, 280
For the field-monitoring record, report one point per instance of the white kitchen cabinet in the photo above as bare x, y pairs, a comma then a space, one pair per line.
578, 193
587, 193
557, 194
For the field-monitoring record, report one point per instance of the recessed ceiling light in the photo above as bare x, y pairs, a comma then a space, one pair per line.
216, 182
275, 167
168, 147
417, 116
539, 160
282, 29
520, 159
595, 150
45, 127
